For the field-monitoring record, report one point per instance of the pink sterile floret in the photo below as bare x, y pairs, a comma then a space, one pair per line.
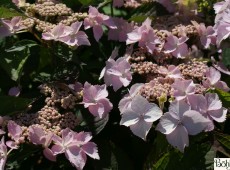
125, 102
213, 80
140, 116
15, 132
209, 106
145, 36
39, 137
117, 73
182, 88
75, 146
123, 28
179, 122
94, 98
95, 19
69, 35
176, 46
11, 26
171, 72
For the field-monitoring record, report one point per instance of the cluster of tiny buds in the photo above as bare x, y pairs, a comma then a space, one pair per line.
145, 67
200, 89
49, 119
43, 26
68, 20
28, 23
153, 90
189, 30
51, 9
60, 96
193, 69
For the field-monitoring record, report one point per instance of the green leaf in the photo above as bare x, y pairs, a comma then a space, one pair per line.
224, 97
223, 139
85, 2
144, 11
14, 59
10, 105
226, 56
8, 12
21, 45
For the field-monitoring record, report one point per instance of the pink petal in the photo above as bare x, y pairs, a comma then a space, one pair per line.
153, 114
141, 128
14, 129
97, 32
76, 157
179, 138
167, 124
213, 101
49, 154
90, 149
129, 117
11, 144
57, 149
194, 122
218, 115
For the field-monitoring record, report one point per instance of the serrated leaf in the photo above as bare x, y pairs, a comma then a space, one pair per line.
10, 105
21, 45
14, 59
226, 56
224, 97
223, 139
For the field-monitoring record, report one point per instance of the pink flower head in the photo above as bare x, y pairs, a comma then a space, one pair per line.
207, 34
171, 72
176, 46
11, 26
145, 36
94, 98
125, 103
209, 106
117, 73
3, 153
75, 37
182, 88
123, 28
96, 20
57, 33
14, 91
179, 122
39, 137
140, 116
75, 146
213, 80
15, 132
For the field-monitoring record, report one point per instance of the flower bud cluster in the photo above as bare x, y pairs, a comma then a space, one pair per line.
193, 69
73, 18
50, 9
60, 95
156, 88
